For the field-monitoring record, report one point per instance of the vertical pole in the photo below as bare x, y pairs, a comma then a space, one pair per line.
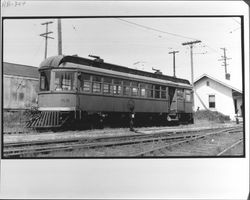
192, 74
59, 26
46, 37
225, 60
174, 52
192, 65
46, 42
174, 63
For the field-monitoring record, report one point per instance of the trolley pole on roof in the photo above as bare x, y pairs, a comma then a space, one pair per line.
192, 67
173, 52
46, 36
59, 30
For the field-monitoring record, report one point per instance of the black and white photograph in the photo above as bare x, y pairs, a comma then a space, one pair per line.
123, 87
126, 86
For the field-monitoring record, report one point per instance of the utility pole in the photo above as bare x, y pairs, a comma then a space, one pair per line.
46, 36
192, 67
224, 58
191, 56
59, 30
173, 52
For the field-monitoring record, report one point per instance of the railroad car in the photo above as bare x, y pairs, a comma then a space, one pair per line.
77, 91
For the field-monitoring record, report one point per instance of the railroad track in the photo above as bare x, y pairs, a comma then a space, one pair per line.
172, 148
34, 148
227, 149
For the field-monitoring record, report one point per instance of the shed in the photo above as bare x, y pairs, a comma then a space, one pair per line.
212, 94
20, 86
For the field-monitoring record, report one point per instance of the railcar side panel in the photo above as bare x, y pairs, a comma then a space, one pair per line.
98, 103
60, 101
188, 107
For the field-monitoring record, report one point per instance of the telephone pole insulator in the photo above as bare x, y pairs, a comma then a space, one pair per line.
173, 52
45, 35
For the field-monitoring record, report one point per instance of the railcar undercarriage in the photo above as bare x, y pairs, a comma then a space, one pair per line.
84, 120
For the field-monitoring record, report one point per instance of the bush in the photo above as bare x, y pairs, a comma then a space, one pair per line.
211, 116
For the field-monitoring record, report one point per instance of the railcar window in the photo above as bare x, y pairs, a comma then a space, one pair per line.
97, 85
180, 93
45, 80
157, 91
134, 89
85, 83
188, 95
163, 92
107, 83
143, 90
149, 90
117, 86
126, 88
64, 81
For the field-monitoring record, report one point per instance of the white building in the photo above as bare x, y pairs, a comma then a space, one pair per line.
212, 94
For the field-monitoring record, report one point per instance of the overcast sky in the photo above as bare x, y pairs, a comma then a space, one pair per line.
140, 43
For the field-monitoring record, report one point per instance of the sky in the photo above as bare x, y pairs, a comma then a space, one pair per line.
141, 43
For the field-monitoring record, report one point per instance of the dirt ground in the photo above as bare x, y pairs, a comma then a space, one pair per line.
36, 136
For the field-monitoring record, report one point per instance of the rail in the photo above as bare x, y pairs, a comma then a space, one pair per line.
34, 148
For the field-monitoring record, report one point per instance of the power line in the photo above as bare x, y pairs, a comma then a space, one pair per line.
154, 29
157, 30
235, 20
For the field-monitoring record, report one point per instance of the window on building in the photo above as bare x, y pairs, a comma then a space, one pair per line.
64, 81
157, 91
211, 100
149, 90
163, 92
208, 83
134, 87
126, 88
45, 80
117, 86
107, 85
96, 84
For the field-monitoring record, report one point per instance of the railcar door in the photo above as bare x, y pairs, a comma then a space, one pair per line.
172, 100
180, 100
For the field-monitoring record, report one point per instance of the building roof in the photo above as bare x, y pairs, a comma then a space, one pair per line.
216, 80
20, 70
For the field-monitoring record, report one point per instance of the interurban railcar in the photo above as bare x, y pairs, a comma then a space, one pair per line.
79, 91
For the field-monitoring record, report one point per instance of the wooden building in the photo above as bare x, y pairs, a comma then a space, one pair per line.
20, 86
212, 94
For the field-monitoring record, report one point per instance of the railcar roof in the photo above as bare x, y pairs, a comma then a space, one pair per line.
55, 61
